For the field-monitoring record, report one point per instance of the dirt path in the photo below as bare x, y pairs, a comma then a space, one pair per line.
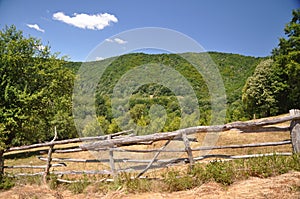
283, 186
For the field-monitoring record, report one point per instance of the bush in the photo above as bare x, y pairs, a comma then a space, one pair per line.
178, 182
7, 183
78, 187
221, 172
131, 184
227, 172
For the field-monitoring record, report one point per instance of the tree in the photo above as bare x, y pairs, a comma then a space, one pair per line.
275, 85
261, 89
35, 91
287, 64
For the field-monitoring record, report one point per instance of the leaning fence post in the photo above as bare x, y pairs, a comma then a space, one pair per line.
153, 159
49, 158
188, 149
295, 131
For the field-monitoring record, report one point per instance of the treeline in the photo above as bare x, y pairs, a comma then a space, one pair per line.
36, 89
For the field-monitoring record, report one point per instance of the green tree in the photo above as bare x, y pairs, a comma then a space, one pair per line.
96, 128
275, 85
261, 89
138, 111
35, 91
287, 64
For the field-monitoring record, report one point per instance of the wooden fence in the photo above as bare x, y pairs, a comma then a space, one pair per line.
124, 142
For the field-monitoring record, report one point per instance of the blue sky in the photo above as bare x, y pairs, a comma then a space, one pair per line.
75, 27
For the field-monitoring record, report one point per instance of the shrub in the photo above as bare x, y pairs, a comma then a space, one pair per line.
178, 182
7, 183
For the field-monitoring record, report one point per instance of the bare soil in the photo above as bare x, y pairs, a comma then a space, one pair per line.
283, 186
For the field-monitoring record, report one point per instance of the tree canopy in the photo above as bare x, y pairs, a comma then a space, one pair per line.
275, 86
35, 91
259, 92
287, 64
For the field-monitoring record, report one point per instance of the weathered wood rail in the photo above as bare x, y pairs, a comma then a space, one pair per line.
121, 142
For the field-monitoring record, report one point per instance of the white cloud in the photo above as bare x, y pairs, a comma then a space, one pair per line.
85, 21
120, 41
36, 27
116, 40
99, 58
109, 40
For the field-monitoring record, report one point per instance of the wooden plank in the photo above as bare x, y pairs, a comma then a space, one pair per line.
67, 150
28, 174
146, 138
260, 129
83, 160
241, 156
68, 141
284, 142
34, 166
90, 181
73, 172
105, 149
178, 160
169, 162
262, 122
90, 172
236, 146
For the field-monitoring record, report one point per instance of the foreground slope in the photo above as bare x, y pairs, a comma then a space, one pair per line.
286, 186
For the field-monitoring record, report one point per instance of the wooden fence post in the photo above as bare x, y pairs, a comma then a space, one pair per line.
111, 160
49, 158
295, 131
188, 149
1, 165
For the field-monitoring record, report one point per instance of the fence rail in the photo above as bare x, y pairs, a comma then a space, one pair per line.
120, 142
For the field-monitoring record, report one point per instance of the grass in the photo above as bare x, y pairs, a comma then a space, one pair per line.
223, 172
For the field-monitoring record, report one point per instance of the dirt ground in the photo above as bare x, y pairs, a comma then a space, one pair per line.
283, 186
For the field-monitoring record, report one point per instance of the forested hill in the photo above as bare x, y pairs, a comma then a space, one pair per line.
234, 69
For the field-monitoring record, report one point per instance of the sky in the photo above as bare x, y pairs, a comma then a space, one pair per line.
76, 27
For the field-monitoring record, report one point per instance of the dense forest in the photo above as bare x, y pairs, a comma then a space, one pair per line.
234, 70
36, 89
